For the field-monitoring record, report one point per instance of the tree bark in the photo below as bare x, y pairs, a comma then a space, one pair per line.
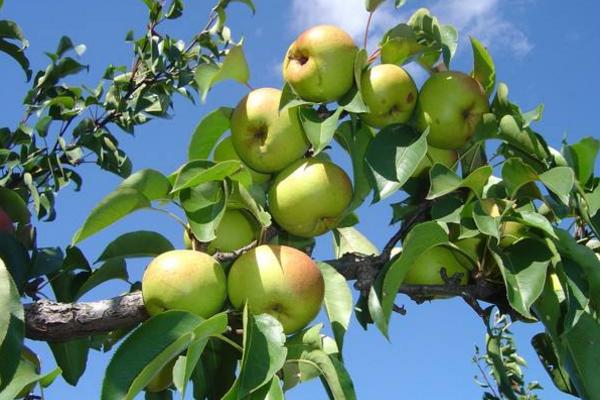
54, 322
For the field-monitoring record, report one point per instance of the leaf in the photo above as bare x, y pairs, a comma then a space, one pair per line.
371, 5
444, 180
17, 54
46, 260
534, 220
319, 132
150, 183
516, 174
112, 208
207, 133
197, 172
338, 302
12, 326
494, 352
15, 258
204, 207
71, 357
420, 239
544, 348
160, 338
213, 326
264, 352
393, 156
14, 206
136, 244
486, 224
114, 268
234, 67
582, 157
523, 266
560, 181
216, 371
350, 240
356, 142
484, 70
583, 355
25, 375
334, 376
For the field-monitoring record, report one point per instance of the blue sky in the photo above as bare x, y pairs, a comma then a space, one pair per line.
545, 51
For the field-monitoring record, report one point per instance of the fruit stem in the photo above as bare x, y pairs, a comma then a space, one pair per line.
367, 28
230, 342
170, 214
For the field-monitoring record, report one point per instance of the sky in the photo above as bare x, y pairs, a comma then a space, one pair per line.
544, 50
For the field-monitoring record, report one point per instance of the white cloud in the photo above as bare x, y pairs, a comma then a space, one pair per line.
481, 18
485, 20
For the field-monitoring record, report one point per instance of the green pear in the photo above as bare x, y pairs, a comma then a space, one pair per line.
451, 104
278, 280
236, 230
319, 65
184, 280
435, 155
308, 197
264, 138
426, 270
390, 93
225, 152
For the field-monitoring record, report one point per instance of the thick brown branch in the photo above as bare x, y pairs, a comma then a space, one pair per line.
53, 322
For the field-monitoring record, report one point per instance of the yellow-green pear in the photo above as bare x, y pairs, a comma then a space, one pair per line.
390, 93
319, 64
426, 270
264, 138
225, 152
435, 155
451, 104
185, 280
308, 197
278, 280
236, 230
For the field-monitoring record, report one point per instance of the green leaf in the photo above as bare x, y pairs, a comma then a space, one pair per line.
25, 375
582, 157
399, 45
516, 174
494, 351
14, 206
213, 326
534, 220
154, 343
486, 224
418, 241
356, 142
583, 354
12, 326
544, 348
319, 132
204, 207
197, 172
16, 259
338, 302
234, 67
112, 208
150, 183
371, 5
560, 181
114, 268
393, 156
264, 352
17, 54
350, 240
207, 133
71, 357
523, 266
444, 180
524, 139
136, 244
334, 376
484, 70
216, 371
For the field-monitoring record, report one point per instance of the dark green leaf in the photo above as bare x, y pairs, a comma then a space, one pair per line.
114, 268
547, 355
71, 357
582, 157
136, 244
